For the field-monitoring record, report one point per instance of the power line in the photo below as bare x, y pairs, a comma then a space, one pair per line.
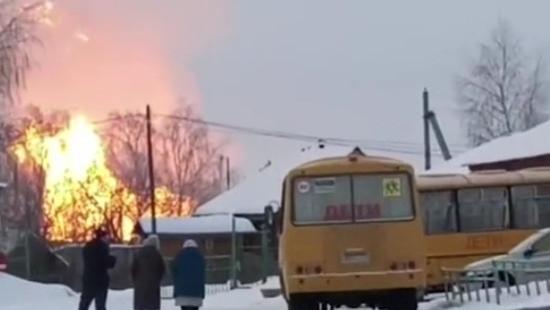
378, 145
117, 118
372, 144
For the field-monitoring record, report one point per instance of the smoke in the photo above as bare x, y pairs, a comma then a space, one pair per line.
104, 55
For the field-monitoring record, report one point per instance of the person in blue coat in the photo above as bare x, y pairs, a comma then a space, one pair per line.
189, 272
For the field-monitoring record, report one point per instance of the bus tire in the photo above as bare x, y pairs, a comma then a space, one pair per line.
405, 300
293, 303
282, 285
300, 303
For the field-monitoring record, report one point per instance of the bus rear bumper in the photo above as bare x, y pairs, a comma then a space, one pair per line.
356, 281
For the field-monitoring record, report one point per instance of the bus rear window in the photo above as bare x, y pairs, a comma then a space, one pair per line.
357, 198
382, 197
319, 200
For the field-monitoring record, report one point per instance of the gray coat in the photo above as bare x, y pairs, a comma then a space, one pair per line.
147, 272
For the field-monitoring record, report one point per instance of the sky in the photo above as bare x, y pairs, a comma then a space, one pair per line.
352, 69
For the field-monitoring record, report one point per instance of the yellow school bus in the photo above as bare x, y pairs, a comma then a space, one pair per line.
350, 233
468, 217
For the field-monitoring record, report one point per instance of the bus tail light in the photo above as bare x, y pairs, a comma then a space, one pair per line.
403, 265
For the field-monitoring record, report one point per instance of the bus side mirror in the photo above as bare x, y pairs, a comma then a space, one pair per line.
278, 222
269, 218
528, 253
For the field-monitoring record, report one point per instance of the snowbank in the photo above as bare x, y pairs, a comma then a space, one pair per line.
512, 301
18, 294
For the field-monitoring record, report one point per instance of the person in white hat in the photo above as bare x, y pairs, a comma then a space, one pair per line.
189, 273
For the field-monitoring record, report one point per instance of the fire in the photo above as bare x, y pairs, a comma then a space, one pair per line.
80, 191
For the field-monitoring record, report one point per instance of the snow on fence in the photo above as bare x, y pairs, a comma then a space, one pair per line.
509, 277
211, 289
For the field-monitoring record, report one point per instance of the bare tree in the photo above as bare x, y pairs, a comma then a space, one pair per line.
127, 154
189, 158
17, 36
186, 160
26, 177
503, 92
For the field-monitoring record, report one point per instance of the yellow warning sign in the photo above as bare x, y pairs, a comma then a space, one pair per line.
392, 187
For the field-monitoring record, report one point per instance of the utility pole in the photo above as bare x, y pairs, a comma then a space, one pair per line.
233, 283
427, 146
430, 119
228, 172
221, 173
439, 137
151, 169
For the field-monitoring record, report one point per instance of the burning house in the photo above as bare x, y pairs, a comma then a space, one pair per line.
79, 190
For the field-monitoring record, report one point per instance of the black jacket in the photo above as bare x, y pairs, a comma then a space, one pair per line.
97, 262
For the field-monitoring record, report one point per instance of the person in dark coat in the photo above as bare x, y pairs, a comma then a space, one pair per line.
95, 280
147, 272
189, 272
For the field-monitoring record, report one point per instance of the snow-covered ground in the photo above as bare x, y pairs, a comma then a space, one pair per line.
17, 294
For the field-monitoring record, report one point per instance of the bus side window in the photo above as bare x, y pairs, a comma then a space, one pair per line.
524, 207
439, 212
483, 209
543, 205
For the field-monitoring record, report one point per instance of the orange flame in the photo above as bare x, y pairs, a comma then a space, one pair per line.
81, 192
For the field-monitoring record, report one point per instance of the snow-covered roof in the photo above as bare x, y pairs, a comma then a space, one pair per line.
207, 224
253, 194
525, 144
453, 166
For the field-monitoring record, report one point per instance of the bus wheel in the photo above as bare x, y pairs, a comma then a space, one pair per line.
282, 285
405, 300
297, 303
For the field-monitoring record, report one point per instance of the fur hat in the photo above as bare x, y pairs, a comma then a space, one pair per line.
190, 243
152, 240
